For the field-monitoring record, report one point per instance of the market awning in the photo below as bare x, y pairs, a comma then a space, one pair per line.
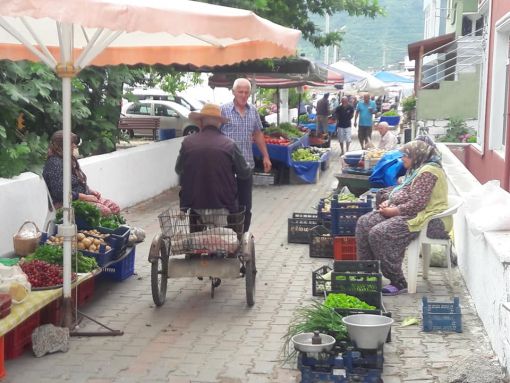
315, 75
429, 45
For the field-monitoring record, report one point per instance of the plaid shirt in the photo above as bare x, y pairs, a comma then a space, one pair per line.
241, 129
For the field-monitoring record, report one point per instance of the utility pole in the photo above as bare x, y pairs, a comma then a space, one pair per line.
384, 56
326, 49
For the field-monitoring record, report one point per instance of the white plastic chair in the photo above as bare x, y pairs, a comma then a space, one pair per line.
423, 242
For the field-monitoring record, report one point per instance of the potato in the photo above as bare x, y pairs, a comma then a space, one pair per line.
81, 246
97, 242
92, 248
86, 242
80, 236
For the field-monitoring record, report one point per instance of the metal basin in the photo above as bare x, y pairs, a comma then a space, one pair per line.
368, 331
303, 342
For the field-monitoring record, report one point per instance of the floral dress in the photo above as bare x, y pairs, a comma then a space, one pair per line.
386, 239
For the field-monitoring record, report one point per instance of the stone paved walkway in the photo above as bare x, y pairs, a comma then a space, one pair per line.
194, 338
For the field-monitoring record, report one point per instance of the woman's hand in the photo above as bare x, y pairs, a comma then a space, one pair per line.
384, 204
88, 198
95, 194
389, 211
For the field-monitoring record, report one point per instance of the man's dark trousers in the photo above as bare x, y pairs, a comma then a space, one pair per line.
244, 191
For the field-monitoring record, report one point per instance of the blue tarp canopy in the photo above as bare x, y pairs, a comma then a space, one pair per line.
393, 78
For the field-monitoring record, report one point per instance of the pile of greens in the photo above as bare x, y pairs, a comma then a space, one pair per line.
304, 154
55, 255
316, 317
285, 129
345, 301
112, 221
391, 113
89, 213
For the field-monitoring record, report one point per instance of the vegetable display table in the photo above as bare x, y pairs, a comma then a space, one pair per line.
35, 301
282, 153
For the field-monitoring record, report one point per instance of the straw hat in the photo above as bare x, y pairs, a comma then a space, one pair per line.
208, 110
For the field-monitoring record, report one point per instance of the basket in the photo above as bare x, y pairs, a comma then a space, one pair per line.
23, 245
202, 231
439, 316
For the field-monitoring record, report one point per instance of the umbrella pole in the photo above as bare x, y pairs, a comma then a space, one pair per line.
67, 229
278, 106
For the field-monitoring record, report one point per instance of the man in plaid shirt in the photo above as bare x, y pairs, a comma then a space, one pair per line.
244, 127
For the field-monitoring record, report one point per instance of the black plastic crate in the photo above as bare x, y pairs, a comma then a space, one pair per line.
364, 286
320, 285
321, 242
299, 229
305, 215
357, 266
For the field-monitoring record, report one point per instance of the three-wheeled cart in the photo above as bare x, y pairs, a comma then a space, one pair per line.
207, 243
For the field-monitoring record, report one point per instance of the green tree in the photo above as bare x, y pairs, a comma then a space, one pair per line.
297, 14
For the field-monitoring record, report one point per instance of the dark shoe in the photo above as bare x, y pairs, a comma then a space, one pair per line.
216, 282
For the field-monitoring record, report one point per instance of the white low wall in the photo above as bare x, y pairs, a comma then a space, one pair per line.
126, 176
483, 263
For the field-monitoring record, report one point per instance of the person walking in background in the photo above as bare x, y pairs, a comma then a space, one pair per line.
244, 127
322, 115
365, 110
388, 139
343, 114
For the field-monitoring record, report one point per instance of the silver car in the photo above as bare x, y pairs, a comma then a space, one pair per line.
171, 116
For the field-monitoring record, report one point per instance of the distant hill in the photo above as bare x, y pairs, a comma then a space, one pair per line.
374, 43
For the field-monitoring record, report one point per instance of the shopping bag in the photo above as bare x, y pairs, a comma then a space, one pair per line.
387, 170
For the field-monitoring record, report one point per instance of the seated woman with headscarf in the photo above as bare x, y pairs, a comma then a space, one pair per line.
402, 212
54, 177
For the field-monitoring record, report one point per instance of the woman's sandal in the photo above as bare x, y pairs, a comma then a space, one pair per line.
390, 290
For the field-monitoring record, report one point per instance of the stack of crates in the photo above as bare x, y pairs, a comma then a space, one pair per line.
360, 279
341, 222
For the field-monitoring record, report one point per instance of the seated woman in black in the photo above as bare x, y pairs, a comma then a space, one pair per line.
53, 175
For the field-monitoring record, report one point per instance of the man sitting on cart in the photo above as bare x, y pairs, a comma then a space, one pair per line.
207, 165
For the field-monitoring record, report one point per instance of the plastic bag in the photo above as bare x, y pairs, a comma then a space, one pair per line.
387, 170
488, 208
14, 282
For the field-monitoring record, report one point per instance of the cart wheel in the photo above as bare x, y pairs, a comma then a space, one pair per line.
251, 273
159, 274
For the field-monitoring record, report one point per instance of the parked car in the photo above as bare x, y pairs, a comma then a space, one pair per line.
171, 116
158, 94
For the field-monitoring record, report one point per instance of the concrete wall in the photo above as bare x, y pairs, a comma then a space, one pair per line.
127, 177
459, 96
484, 263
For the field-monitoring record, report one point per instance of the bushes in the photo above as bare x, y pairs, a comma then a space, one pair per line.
458, 131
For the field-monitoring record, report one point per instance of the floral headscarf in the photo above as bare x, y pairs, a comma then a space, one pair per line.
419, 153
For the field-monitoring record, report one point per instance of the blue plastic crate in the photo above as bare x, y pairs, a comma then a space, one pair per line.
344, 216
118, 239
123, 268
439, 316
102, 256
